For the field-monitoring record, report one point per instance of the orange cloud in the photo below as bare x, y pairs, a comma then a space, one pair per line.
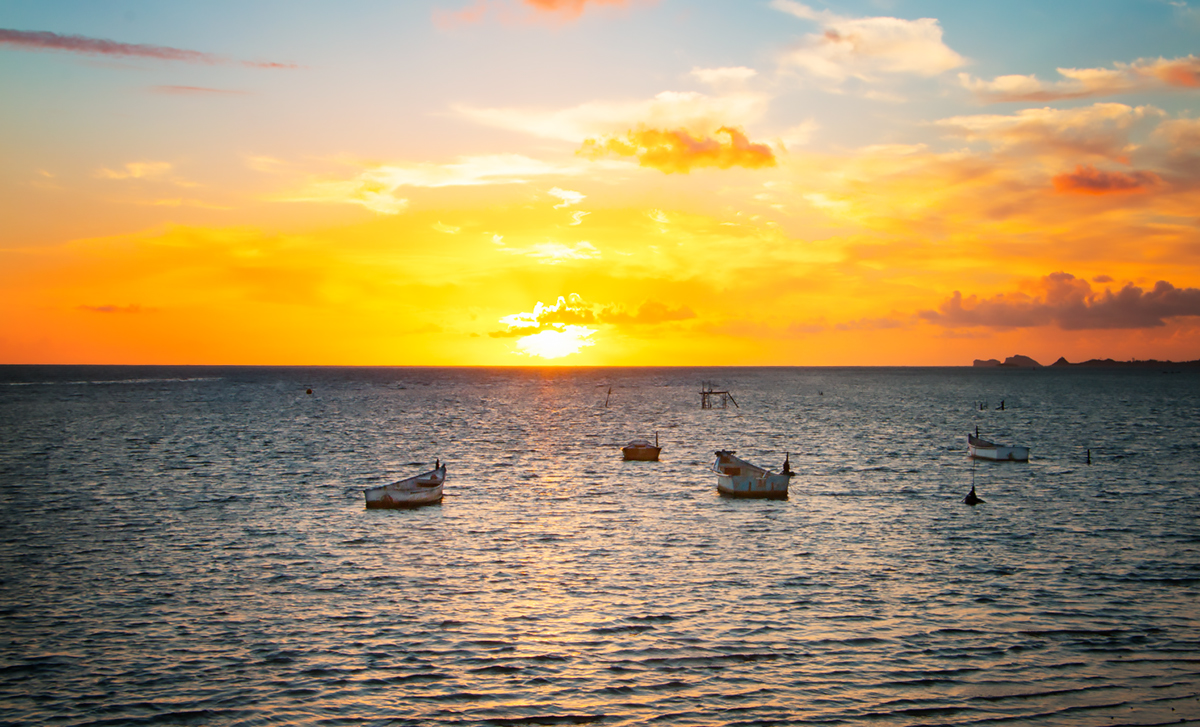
132, 308
1069, 303
648, 313
477, 11
569, 8
678, 151
1086, 179
1102, 129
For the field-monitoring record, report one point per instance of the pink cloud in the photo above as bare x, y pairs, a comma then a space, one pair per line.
113, 308
44, 40
1069, 303
1086, 179
509, 10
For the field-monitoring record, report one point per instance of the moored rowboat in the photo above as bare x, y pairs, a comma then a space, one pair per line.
738, 478
641, 450
983, 449
422, 489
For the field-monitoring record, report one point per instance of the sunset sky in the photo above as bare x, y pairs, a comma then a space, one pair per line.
599, 182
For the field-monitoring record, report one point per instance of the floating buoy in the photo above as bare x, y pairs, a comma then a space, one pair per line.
308, 391
972, 498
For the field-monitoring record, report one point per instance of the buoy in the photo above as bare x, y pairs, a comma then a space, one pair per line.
972, 498
308, 391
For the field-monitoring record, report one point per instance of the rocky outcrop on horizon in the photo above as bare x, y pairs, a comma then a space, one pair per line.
1018, 361
1062, 362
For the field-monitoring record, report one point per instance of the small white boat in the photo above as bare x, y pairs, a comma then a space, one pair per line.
422, 489
983, 449
641, 450
738, 478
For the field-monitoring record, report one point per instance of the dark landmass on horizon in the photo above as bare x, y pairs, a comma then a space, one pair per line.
1024, 362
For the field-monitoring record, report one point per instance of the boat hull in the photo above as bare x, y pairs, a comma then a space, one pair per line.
423, 489
640, 454
762, 488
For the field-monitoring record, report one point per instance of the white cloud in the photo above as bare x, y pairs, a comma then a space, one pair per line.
567, 196
553, 253
136, 170
864, 47
690, 110
1141, 75
724, 77
376, 187
799, 135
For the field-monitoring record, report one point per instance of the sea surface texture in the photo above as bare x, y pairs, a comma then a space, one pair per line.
190, 546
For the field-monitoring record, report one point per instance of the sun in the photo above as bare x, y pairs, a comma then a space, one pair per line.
556, 342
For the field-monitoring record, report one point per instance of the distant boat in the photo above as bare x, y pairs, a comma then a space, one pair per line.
983, 449
422, 489
641, 450
738, 478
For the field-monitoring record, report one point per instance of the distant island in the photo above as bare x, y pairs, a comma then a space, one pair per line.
1024, 362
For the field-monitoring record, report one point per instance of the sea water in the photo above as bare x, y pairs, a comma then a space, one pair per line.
191, 546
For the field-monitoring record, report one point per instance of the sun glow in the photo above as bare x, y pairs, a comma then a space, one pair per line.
556, 343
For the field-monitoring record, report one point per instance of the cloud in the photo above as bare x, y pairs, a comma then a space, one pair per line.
569, 8
567, 196
1100, 130
376, 187
577, 217
553, 253
864, 47
136, 170
43, 40
568, 311
724, 77
696, 112
798, 135
1062, 300
679, 151
525, 11
134, 308
194, 91
1086, 179
1182, 137
870, 324
373, 194
649, 313
1142, 75
265, 164
446, 229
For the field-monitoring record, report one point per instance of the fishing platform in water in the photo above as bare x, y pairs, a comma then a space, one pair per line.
710, 398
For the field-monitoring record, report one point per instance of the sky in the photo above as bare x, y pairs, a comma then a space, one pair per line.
599, 182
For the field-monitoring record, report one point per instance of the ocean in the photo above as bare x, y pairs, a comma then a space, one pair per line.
190, 546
